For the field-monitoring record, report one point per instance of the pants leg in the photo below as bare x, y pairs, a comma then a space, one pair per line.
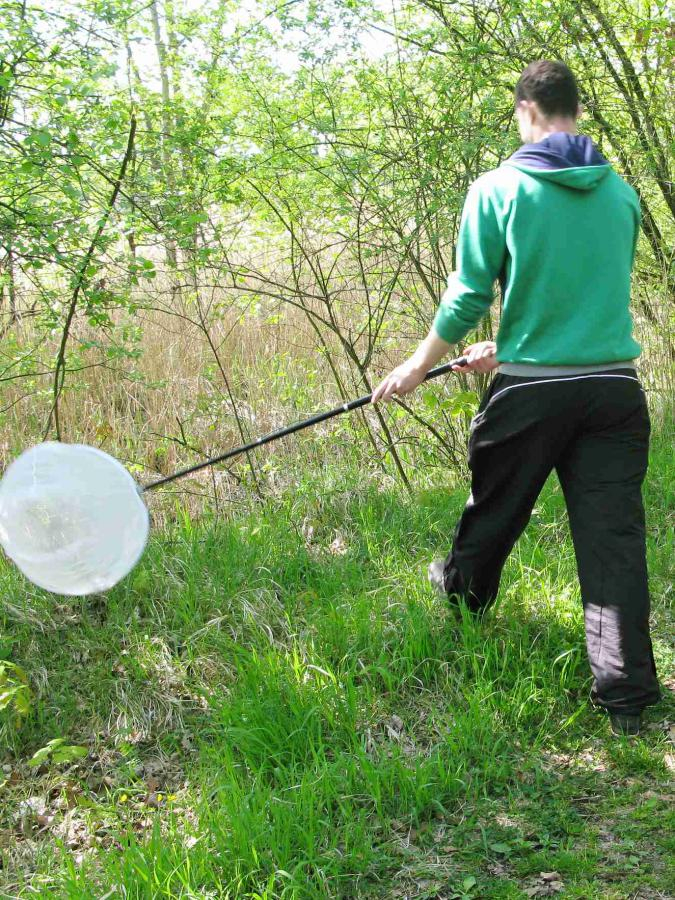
515, 441
601, 474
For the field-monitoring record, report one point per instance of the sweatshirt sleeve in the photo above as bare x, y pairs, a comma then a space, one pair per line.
481, 248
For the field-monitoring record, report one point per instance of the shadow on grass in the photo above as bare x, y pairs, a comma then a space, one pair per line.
317, 700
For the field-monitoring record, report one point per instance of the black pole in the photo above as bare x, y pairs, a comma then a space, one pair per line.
291, 429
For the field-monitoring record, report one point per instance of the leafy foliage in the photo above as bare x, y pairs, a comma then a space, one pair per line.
300, 166
15, 693
57, 751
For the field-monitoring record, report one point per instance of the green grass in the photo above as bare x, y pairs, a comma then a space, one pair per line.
275, 705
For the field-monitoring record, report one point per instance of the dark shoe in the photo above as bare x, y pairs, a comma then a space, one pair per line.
436, 574
625, 724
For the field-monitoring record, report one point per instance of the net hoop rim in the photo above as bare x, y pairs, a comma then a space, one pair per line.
120, 468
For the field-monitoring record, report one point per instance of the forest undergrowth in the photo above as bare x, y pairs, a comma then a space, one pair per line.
274, 704
218, 218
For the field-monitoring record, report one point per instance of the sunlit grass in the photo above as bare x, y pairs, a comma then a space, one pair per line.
276, 705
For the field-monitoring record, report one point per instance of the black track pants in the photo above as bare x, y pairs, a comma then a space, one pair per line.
594, 431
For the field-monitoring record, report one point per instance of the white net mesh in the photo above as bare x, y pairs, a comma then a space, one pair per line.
71, 518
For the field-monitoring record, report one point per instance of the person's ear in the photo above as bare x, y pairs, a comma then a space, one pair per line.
580, 110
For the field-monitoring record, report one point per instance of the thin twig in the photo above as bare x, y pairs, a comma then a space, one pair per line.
60, 369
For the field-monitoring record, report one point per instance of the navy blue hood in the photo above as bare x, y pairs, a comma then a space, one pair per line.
560, 150
553, 157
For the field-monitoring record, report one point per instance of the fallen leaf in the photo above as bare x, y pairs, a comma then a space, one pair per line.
548, 883
307, 531
654, 795
35, 805
370, 745
338, 547
497, 869
27, 813
394, 728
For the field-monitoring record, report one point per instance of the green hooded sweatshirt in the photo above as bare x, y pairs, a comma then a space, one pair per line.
561, 239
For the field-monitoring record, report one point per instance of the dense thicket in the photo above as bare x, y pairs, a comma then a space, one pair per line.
215, 215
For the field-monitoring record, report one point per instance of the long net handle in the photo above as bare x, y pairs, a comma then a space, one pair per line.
291, 429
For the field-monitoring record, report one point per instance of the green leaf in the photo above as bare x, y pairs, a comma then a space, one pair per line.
59, 752
44, 752
71, 191
430, 399
6, 697
69, 753
22, 701
29, 167
194, 219
14, 690
42, 138
500, 848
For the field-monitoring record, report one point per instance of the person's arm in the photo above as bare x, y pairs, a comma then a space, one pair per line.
405, 378
410, 374
481, 250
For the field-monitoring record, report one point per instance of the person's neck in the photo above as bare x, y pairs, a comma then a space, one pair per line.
539, 132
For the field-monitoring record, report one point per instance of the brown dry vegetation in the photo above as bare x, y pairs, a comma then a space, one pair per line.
202, 370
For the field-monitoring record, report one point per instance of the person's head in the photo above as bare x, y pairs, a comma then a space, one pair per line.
547, 100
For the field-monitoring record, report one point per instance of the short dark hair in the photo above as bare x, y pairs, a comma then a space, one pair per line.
552, 85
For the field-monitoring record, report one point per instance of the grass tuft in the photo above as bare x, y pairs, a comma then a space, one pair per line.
275, 705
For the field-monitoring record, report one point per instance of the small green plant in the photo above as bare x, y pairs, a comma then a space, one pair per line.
15, 693
58, 752
465, 891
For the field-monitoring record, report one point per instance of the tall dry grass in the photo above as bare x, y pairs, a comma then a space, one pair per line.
199, 357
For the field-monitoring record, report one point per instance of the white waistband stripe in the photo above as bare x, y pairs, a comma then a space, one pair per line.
512, 387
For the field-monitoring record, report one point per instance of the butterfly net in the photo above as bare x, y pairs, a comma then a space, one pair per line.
71, 518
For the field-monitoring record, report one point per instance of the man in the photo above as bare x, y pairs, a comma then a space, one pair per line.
558, 227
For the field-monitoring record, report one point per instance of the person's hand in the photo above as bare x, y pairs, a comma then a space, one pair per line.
401, 380
480, 357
